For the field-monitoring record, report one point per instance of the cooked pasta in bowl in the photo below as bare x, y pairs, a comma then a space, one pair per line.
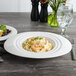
37, 44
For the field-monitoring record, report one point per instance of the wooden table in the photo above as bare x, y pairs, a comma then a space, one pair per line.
17, 66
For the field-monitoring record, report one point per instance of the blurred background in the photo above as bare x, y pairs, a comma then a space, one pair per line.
22, 5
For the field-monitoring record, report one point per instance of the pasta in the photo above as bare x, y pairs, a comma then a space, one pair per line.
37, 44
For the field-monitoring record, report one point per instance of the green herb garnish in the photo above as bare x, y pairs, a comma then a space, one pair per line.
2, 27
40, 38
36, 38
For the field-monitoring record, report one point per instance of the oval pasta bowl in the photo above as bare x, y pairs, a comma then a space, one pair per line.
61, 45
12, 33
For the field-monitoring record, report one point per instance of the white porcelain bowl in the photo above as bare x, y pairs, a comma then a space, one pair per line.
60, 44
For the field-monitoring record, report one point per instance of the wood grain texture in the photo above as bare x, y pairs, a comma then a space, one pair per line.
17, 66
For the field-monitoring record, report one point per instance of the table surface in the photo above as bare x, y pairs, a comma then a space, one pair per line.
17, 66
